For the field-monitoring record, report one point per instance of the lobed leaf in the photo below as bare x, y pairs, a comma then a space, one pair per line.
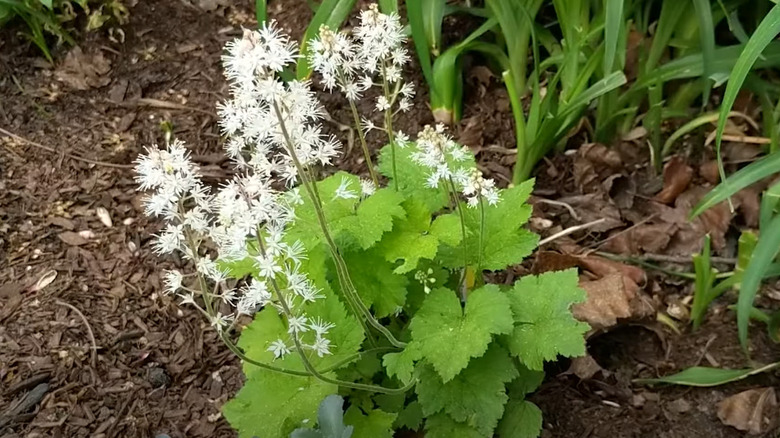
448, 336
476, 396
544, 325
522, 419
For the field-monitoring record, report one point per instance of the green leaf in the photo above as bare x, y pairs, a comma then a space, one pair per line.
476, 396
613, 21
744, 177
414, 237
706, 377
412, 177
401, 365
448, 336
47, 3
375, 424
522, 419
410, 417
526, 382
330, 421
505, 242
766, 31
376, 283
544, 326
763, 255
272, 405
346, 336
351, 222
443, 426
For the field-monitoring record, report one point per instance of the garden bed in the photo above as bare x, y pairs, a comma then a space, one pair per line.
119, 359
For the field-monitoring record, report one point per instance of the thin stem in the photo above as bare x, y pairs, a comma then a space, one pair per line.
389, 123
344, 279
481, 233
302, 354
462, 286
361, 134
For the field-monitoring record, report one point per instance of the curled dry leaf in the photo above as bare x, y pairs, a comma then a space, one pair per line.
584, 367
753, 411
72, 239
608, 299
677, 176
46, 279
82, 71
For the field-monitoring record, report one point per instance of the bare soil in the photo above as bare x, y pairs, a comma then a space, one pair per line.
99, 352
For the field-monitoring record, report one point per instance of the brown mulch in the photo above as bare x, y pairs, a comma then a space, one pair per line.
89, 347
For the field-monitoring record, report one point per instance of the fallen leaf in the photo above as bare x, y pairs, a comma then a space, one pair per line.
709, 171
62, 222
608, 299
677, 176
584, 367
471, 132
72, 239
82, 71
594, 206
553, 261
46, 279
603, 267
753, 411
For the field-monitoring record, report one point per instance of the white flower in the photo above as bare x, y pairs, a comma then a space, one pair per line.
279, 349
297, 324
367, 187
173, 280
382, 104
267, 265
475, 187
343, 191
220, 321
321, 346
320, 327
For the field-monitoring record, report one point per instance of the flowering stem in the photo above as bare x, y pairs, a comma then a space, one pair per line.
389, 123
481, 235
362, 136
302, 354
358, 307
462, 287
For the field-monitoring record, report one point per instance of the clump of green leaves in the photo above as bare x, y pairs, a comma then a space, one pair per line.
468, 353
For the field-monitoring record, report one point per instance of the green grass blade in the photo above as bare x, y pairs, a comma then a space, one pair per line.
706, 377
388, 6
705, 277
332, 13
261, 12
707, 36
744, 177
691, 66
763, 256
692, 125
767, 30
609, 83
671, 12
414, 13
613, 21
769, 203
433, 14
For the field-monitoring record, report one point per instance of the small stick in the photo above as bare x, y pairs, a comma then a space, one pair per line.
560, 204
570, 230
89, 329
67, 154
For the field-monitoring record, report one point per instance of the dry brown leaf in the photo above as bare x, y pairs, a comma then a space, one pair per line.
753, 411
677, 176
748, 202
553, 261
603, 267
72, 239
709, 171
584, 367
608, 299
82, 71
592, 207
471, 132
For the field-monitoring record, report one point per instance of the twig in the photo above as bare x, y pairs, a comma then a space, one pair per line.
560, 204
680, 260
89, 329
570, 230
67, 154
619, 233
157, 103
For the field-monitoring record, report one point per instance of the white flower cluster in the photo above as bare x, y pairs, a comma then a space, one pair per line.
273, 133
266, 117
446, 159
352, 64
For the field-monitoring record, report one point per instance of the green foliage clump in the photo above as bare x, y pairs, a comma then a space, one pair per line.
468, 353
